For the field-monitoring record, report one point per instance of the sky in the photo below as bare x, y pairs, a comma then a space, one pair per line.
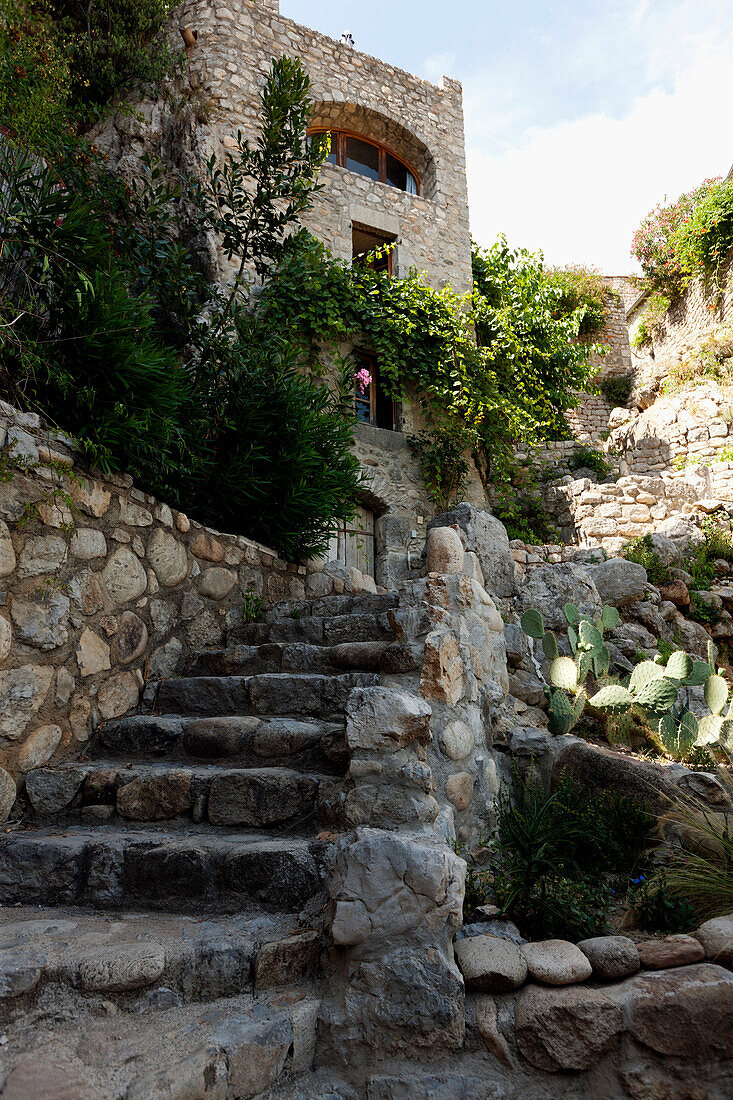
580, 115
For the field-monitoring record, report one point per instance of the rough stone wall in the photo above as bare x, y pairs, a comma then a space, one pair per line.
690, 321
589, 422
608, 515
420, 121
692, 426
105, 591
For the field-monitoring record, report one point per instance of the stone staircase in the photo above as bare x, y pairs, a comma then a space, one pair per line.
180, 861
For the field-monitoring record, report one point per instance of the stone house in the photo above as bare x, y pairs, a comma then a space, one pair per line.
396, 175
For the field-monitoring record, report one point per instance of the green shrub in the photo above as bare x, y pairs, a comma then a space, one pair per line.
655, 241
582, 290
617, 391
655, 909
551, 851
641, 550
587, 458
655, 312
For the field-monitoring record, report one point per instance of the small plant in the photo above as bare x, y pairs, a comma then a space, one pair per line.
699, 867
252, 606
655, 909
587, 458
553, 849
652, 320
641, 550
617, 390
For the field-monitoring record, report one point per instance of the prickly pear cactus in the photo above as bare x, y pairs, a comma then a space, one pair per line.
613, 698
561, 713
564, 674
657, 696
533, 624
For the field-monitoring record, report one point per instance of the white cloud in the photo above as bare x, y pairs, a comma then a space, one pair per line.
578, 189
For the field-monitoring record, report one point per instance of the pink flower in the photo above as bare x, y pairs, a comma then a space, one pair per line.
363, 379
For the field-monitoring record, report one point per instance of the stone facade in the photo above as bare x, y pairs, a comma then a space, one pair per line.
588, 423
104, 587
420, 122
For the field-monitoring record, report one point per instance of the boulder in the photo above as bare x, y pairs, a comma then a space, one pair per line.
491, 965
387, 885
92, 654
556, 962
22, 690
39, 747
131, 638
716, 936
7, 553
42, 622
682, 531
6, 637
385, 719
488, 1028
88, 543
459, 790
42, 554
168, 558
602, 769
456, 740
7, 794
445, 551
486, 537
124, 577
549, 587
612, 957
676, 592
671, 951
684, 1013
565, 1029
124, 967
618, 581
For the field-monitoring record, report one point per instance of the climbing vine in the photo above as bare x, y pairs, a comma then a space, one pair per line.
491, 368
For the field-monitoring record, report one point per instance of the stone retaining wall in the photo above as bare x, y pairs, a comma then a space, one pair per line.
692, 426
103, 587
694, 317
609, 515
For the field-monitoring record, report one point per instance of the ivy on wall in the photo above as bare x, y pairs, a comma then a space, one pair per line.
490, 369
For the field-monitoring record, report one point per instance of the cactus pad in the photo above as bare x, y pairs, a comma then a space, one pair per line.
716, 693
549, 645
533, 624
610, 617
644, 673
679, 666
658, 695
571, 613
564, 674
561, 713
701, 671
612, 698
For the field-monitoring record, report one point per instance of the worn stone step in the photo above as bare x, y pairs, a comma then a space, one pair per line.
316, 630
324, 606
137, 957
138, 866
236, 1047
368, 656
247, 740
267, 798
306, 694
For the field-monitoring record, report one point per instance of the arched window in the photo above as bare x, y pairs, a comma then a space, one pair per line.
371, 159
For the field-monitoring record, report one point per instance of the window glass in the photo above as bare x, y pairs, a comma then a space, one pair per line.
396, 173
362, 157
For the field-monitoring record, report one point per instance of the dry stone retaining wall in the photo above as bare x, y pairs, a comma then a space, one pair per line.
103, 587
690, 321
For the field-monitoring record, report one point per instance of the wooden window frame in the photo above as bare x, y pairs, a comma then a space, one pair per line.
338, 146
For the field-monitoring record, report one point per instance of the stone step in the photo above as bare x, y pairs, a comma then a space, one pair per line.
234, 1047
326, 606
318, 630
143, 960
258, 798
175, 869
306, 694
247, 740
242, 660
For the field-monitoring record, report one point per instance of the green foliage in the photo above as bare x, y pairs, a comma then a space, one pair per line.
708, 361
656, 909
656, 242
63, 63
551, 849
587, 457
641, 550
702, 243
442, 455
617, 390
582, 290
110, 329
652, 319
252, 606
648, 699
